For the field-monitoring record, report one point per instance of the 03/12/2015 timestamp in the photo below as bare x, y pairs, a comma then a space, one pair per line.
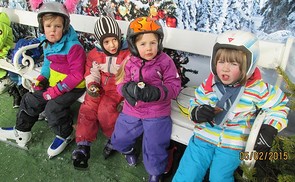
262, 156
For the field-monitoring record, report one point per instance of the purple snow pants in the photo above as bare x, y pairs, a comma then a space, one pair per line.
156, 139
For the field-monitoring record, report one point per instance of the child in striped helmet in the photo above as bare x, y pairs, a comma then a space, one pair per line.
102, 103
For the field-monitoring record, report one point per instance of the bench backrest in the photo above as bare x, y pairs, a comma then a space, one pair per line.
200, 43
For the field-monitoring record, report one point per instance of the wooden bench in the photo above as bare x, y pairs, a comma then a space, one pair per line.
197, 43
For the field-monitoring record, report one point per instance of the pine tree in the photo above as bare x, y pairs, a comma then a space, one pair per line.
291, 17
203, 20
275, 15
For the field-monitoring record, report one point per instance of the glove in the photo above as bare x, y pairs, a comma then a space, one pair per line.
203, 113
120, 106
130, 92
52, 93
265, 138
41, 83
148, 93
93, 89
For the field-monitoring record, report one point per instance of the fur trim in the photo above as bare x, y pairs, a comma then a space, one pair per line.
71, 5
35, 4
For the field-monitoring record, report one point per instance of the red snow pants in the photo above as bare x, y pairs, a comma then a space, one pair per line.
100, 112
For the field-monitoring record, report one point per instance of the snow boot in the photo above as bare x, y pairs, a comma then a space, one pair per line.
131, 157
170, 159
58, 145
22, 90
5, 84
13, 91
155, 178
20, 139
80, 157
108, 149
17, 91
42, 116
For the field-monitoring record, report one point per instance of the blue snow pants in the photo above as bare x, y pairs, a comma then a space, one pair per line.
200, 155
156, 139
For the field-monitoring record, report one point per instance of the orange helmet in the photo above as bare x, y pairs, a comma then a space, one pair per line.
143, 25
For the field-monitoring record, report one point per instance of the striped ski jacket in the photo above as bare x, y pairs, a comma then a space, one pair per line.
233, 133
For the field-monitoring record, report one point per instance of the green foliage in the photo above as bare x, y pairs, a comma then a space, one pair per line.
289, 86
280, 168
284, 168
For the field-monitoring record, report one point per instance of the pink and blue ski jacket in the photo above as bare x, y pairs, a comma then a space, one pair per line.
64, 62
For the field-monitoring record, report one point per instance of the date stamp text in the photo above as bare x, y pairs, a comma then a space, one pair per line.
263, 156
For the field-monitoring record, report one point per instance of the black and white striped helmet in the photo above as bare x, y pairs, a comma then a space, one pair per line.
106, 26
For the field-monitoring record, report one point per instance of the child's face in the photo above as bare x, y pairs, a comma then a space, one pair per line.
53, 29
147, 46
228, 72
111, 44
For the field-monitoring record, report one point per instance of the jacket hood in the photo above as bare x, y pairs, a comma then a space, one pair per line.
4, 19
70, 36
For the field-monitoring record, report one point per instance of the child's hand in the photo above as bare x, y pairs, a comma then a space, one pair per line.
148, 93
41, 83
265, 137
130, 92
51, 93
93, 90
204, 113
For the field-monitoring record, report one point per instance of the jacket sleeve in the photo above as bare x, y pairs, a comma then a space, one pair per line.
200, 98
274, 102
171, 82
76, 59
45, 70
92, 71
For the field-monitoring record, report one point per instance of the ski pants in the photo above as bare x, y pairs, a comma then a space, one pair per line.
100, 112
57, 111
156, 139
200, 155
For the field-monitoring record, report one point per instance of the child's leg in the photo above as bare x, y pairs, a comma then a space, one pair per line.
31, 106
224, 163
86, 131
107, 113
59, 114
60, 120
156, 140
127, 130
195, 161
87, 123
